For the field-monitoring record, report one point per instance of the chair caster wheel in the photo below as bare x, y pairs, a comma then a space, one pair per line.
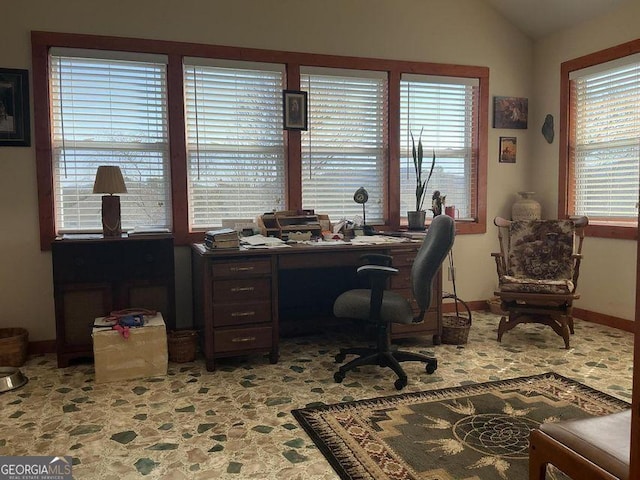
340, 357
400, 383
338, 376
431, 367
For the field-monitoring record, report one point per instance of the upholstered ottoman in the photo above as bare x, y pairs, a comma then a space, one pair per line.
592, 448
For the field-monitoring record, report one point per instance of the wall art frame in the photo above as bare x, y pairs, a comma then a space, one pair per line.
294, 108
508, 150
15, 126
510, 112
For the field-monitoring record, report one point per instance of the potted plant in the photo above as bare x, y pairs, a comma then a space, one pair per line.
417, 217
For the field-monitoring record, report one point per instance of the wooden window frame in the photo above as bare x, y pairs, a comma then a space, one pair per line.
42, 41
596, 228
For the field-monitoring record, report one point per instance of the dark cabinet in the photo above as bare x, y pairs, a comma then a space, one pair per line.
94, 277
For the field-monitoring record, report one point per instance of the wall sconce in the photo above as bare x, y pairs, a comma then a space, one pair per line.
109, 180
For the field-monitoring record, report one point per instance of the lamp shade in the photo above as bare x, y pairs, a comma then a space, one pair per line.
109, 180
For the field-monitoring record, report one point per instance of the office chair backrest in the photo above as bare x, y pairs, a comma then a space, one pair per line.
435, 248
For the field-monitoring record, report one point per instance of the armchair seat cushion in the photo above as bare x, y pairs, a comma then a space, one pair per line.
509, 283
356, 304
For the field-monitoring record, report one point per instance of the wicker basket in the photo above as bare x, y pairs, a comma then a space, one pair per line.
182, 345
13, 346
455, 329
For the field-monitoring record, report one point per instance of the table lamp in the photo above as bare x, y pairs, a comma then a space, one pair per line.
109, 180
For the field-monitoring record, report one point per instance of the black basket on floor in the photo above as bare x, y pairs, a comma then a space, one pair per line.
456, 326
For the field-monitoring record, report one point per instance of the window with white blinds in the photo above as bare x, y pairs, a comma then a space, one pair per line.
345, 146
109, 108
445, 110
605, 116
235, 141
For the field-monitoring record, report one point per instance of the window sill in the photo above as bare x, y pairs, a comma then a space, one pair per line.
619, 231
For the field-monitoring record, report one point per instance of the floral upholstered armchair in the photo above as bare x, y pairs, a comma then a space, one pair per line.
538, 267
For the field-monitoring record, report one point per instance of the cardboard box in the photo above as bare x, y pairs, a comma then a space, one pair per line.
143, 354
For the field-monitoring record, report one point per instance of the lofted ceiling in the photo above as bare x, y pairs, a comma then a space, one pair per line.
538, 18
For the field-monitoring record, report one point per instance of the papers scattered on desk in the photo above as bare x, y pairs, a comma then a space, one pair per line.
260, 241
376, 240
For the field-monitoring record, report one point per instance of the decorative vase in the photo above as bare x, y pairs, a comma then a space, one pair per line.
416, 220
526, 208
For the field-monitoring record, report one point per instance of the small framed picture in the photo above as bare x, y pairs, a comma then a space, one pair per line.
14, 108
508, 149
510, 112
294, 107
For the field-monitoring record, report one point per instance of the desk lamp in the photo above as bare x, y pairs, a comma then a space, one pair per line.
362, 196
109, 180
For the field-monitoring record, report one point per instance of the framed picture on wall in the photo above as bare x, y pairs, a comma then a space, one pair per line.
14, 108
294, 106
508, 149
510, 112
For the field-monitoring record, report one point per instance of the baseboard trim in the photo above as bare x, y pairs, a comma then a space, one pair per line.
41, 347
603, 319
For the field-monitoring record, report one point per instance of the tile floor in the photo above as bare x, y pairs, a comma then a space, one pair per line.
235, 423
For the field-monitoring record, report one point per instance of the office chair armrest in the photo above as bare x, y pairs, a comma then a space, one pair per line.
376, 271
377, 275
376, 259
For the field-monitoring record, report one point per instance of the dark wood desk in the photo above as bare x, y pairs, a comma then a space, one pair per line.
244, 298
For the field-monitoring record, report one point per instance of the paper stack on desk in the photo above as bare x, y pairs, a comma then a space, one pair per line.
223, 238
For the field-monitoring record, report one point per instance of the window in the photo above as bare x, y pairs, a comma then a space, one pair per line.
345, 147
605, 140
109, 108
445, 110
198, 132
235, 142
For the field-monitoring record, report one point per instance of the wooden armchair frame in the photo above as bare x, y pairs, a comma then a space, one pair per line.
553, 309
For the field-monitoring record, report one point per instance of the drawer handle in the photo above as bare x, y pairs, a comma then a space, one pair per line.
241, 269
243, 289
243, 314
243, 339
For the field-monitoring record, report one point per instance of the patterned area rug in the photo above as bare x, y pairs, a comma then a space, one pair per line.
478, 431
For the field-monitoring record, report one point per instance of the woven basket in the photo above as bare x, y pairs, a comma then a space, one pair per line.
13, 346
455, 329
182, 345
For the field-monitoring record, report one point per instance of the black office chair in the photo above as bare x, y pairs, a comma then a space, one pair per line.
381, 308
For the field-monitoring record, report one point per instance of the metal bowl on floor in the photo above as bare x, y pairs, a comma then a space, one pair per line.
11, 378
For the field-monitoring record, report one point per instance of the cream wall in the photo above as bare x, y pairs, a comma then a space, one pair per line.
456, 31
608, 274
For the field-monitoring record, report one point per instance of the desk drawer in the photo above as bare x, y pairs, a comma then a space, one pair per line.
402, 258
325, 258
241, 268
402, 279
241, 313
242, 290
238, 339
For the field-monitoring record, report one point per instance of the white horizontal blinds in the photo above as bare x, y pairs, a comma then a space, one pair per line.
345, 147
606, 140
445, 109
109, 111
235, 142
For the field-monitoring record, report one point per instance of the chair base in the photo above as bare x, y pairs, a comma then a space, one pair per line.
385, 358
560, 323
